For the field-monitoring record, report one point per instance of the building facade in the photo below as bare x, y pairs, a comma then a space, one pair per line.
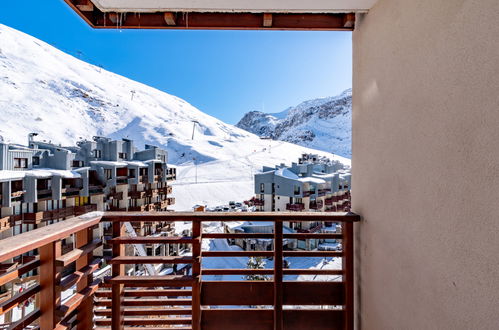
42, 183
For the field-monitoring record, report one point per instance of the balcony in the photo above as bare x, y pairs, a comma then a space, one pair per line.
297, 207
258, 202
71, 191
4, 223
136, 194
120, 180
308, 193
79, 210
189, 300
316, 205
165, 190
95, 190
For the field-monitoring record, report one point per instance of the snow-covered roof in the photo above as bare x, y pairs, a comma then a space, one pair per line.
38, 173
285, 173
324, 175
312, 180
106, 163
136, 163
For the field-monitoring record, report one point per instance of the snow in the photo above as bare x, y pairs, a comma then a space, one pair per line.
285, 173
63, 99
324, 124
312, 180
38, 173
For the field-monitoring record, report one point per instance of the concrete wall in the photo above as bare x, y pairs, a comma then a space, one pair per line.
426, 164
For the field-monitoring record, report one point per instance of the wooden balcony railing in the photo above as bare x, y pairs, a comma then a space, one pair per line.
287, 298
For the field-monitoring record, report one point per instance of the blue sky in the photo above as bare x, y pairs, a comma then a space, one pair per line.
223, 73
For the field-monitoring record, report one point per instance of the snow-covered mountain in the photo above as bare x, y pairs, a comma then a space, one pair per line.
324, 124
63, 99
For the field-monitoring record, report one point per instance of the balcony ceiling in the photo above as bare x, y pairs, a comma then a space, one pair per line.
243, 6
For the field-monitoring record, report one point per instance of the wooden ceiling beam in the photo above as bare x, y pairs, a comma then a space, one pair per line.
170, 19
212, 21
267, 20
349, 20
85, 5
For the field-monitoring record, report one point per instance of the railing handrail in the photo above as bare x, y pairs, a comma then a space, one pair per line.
229, 216
13, 246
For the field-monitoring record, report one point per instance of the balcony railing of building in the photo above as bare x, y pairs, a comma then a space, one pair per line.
190, 300
297, 207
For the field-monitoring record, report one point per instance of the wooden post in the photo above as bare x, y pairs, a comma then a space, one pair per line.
348, 268
50, 295
196, 274
85, 310
278, 275
117, 312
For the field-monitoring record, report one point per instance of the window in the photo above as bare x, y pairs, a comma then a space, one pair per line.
108, 173
20, 162
97, 153
36, 160
122, 155
297, 190
262, 187
77, 163
131, 173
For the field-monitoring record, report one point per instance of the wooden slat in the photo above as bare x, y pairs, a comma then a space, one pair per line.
313, 236
348, 268
25, 321
237, 319
50, 293
230, 216
196, 272
150, 260
75, 254
146, 312
147, 302
239, 293
237, 253
74, 302
77, 276
16, 245
146, 321
152, 240
153, 281
19, 271
236, 236
148, 293
312, 254
278, 263
237, 271
313, 272
313, 293
303, 319
12, 302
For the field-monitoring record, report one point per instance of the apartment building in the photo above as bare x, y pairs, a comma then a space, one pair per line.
42, 183
312, 184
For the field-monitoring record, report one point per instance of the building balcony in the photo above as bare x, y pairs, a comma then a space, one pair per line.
120, 180
95, 190
308, 193
44, 194
165, 190
297, 207
71, 191
33, 217
136, 194
188, 301
317, 205
115, 195
5, 223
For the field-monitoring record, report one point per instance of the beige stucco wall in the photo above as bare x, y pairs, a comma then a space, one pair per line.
426, 164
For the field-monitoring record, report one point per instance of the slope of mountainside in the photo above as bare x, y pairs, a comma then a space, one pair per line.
323, 124
46, 91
